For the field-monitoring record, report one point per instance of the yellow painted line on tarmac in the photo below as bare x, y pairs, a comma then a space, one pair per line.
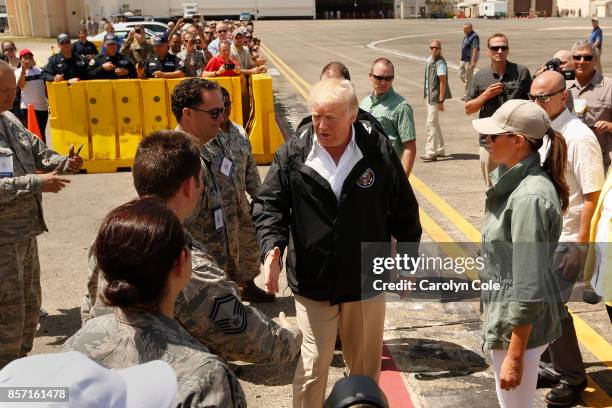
599, 347
445, 208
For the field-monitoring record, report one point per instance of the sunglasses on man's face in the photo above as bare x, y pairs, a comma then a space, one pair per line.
208, 33
497, 48
213, 113
382, 78
433, 47
544, 98
221, 31
582, 57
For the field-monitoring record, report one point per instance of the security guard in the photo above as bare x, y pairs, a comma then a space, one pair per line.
162, 64
65, 65
111, 64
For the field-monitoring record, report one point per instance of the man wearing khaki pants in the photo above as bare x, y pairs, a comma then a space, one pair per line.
332, 188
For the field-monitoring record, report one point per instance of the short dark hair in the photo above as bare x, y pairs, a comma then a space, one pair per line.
386, 61
338, 67
497, 35
189, 93
137, 245
83, 29
164, 161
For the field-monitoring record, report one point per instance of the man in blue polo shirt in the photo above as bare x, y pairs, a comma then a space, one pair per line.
470, 49
596, 39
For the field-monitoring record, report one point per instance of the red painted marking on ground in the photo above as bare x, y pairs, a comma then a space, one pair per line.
392, 383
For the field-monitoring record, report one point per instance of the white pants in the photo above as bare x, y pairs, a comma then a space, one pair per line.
435, 142
523, 395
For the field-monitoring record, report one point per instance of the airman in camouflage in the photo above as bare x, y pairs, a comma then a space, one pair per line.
210, 309
209, 306
22, 154
130, 337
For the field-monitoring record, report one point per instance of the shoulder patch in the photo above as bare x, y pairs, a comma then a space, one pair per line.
229, 314
366, 179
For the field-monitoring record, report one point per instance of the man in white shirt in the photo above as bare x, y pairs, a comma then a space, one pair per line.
562, 363
332, 188
32, 85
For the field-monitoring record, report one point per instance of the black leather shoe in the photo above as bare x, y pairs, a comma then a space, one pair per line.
546, 382
565, 395
589, 296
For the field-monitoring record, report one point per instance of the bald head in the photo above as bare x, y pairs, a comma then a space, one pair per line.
549, 92
549, 81
566, 59
8, 86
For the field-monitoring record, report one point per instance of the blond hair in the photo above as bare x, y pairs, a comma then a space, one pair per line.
333, 91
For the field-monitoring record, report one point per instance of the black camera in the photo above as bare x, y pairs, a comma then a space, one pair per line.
554, 64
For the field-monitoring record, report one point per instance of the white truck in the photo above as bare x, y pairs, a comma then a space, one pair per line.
493, 9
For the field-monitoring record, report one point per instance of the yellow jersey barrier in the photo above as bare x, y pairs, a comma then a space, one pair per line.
262, 128
110, 117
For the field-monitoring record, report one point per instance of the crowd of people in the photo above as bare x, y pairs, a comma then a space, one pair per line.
169, 272
198, 49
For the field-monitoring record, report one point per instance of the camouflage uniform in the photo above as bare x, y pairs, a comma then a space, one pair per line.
217, 151
21, 220
247, 180
203, 226
211, 311
127, 338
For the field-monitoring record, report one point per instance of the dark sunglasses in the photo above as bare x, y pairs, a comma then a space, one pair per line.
494, 137
65, 42
582, 57
497, 48
383, 78
208, 32
546, 97
435, 48
222, 31
213, 113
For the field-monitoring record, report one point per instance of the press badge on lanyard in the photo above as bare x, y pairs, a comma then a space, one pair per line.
218, 216
226, 167
6, 165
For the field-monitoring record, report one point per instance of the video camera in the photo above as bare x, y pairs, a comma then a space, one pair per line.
554, 64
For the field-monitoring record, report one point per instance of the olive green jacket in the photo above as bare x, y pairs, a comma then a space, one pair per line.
520, 235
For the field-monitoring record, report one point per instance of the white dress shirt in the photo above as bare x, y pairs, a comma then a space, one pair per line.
321, 161
584, 173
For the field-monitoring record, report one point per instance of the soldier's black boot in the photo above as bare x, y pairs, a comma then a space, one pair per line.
250, 292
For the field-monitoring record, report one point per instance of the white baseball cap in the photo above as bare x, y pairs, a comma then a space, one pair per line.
152, 384
515, 116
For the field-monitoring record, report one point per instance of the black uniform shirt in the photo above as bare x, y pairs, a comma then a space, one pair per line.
169, 64
74, 67
96, 71
87, 48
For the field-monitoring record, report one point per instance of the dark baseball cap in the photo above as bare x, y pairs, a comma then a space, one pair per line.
63, 37
160, 39
110, 38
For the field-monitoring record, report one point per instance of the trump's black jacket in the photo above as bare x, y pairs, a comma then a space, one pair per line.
296, 208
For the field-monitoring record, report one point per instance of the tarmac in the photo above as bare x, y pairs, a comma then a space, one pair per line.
434, 357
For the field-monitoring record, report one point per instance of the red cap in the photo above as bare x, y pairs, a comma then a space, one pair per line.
24, 51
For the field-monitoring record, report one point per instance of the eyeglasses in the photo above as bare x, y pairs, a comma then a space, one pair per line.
582, 57
213, 113
435, 48
497, 48
494, 137
221, 31
382, 78
208, 33
546, 97
9, 49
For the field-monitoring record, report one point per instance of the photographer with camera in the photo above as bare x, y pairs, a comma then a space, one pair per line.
136, 47
222, 65
562, 63
491, 87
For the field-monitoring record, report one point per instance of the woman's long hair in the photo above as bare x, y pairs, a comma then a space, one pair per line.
555, 164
